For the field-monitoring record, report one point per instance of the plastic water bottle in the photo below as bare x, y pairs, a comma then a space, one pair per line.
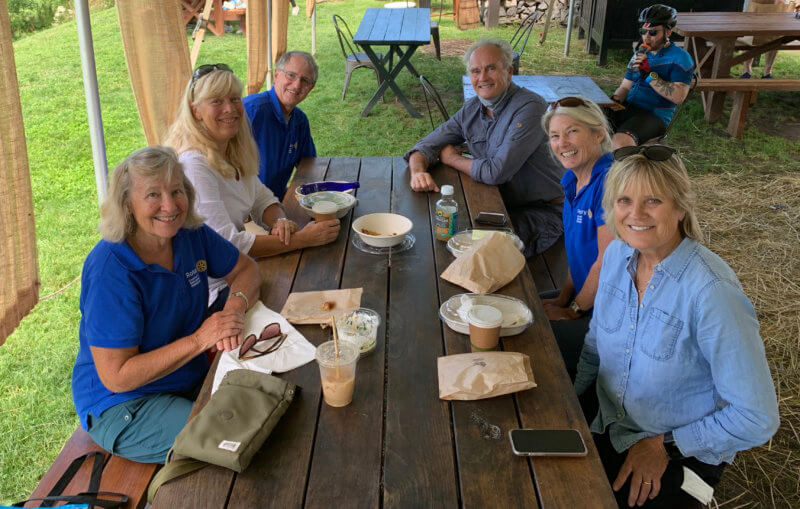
446, 220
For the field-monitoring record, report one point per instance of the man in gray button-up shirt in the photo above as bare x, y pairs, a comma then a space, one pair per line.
502, 129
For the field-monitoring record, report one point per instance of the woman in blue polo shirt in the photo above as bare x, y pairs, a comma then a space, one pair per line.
580, 141
144, 291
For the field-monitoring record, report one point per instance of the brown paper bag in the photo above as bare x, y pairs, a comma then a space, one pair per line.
490, 264
310, 307
481, 375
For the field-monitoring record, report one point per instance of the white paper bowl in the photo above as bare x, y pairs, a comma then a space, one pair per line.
392, 228
344, 201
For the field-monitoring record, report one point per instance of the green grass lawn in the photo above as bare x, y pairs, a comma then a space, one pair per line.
36, 361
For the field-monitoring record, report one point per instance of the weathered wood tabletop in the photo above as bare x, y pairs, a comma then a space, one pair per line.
711, 40
403, 31
552, 87
397, 444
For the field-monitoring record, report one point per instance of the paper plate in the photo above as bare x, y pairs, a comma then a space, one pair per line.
464, 240
516, 315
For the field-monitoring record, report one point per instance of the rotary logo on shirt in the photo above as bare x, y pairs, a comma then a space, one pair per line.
201, 265
589, 213
580, 213
293, 147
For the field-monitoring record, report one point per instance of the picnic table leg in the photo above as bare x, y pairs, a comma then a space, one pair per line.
388, 79
741, 102
723, 54
408, 61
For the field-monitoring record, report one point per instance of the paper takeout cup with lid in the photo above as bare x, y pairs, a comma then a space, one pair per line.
484, 327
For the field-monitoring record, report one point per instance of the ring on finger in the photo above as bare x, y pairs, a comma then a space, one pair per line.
647, 482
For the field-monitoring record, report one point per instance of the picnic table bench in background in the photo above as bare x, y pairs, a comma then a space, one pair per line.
397, 444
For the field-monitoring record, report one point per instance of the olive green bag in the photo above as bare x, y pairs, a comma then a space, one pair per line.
232, 426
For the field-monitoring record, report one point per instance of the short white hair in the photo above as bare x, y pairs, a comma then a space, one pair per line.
507, 54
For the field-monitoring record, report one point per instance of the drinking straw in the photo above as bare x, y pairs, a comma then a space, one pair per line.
335, 337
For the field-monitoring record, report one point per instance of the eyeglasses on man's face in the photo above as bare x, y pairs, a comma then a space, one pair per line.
293, 76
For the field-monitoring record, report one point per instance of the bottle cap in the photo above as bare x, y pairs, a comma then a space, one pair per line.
447, 190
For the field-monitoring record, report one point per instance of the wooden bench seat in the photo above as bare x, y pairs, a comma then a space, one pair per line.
744, 93
120, 475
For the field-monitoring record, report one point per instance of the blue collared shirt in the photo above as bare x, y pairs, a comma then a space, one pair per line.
688, 359
280, 145
582, 216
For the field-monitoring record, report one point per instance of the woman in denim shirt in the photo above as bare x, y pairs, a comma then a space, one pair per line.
673, 345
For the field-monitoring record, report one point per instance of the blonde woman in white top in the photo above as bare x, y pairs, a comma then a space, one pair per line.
212, 137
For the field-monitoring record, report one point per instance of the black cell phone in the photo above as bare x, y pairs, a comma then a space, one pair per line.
490, 218
547, 442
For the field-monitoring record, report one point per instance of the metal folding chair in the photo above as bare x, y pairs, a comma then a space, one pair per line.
353, 59
675, 114
520, 38
432, 96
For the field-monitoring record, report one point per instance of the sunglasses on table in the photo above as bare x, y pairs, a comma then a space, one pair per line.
567, 102
268, 341
651, 31
652, 152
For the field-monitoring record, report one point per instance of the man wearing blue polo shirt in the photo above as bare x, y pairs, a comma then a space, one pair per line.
657, 80
280, 128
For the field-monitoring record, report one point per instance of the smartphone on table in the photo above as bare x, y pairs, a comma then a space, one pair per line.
547, 442
490, 218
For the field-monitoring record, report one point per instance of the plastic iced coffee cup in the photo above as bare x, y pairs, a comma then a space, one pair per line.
338, 374
484, 327
324, 211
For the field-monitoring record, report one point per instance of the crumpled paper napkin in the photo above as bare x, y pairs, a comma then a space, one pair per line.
293, 353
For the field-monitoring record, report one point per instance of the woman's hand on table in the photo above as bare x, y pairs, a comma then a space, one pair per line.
283, 228
318, 234
645, 464
555, 312
222, 330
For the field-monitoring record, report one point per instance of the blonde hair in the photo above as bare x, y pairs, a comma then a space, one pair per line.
662, 178
589, 114
116, 219
188, 133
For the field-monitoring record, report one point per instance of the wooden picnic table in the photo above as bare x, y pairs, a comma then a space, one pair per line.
552, 87
397, 444
711, 39
403, 31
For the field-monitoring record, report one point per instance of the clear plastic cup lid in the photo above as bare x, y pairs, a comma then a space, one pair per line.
326, 355
484, 316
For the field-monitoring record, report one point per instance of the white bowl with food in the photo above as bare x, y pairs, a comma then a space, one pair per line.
343, 201
382, 229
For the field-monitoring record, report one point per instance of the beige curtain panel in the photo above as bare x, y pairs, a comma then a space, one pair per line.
157, 52
257, 67
19, 270
256, 45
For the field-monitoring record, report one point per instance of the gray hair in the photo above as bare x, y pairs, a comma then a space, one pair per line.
589, 114
507, 54
284, 59
663, 178
116, 219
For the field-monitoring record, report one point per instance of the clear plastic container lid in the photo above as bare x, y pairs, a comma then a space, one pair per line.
463, 240
326, 354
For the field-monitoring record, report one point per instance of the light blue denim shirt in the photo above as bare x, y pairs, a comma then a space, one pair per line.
688, 359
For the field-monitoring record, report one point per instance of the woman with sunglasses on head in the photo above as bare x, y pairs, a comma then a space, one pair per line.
212, 137
673, 345
580, 141
144, 292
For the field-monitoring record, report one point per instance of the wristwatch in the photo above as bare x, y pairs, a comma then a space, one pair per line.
575, 308
652, 76
244, 298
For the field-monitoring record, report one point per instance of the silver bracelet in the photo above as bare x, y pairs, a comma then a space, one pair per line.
244, 298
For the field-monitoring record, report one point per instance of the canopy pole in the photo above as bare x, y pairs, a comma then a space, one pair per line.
313, 29
92, 98
569, 27
269, 44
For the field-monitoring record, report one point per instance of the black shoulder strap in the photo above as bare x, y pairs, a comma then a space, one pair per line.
91, 497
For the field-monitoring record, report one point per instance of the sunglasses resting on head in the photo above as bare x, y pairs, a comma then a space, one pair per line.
651, 152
